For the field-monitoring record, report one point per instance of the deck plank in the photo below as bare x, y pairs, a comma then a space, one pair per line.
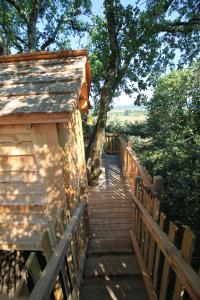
110, 203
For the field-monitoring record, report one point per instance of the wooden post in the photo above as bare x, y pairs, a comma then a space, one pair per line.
158, 184
186, 251
156, 210
165, 274
157, 259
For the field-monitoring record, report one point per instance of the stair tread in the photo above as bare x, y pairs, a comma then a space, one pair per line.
122, 281
109, 246
112, 265
112, 289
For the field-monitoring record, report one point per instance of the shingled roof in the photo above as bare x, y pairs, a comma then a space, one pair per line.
43, 82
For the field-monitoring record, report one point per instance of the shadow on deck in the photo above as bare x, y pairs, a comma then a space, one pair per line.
111, 269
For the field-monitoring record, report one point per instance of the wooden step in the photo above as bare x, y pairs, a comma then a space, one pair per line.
110, 234
110, 265
114, 289
108, 246
107, 221
111, 210
109, 201
109, 205
108, 227
108, 215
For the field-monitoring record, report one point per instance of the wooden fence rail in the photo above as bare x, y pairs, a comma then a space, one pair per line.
62, 275
166, 270
111, 143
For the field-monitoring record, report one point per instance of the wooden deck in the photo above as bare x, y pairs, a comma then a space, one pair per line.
110, 203
111, 268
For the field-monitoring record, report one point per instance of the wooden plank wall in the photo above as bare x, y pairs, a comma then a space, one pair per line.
21, 191
42, 167
31, 184
71, 143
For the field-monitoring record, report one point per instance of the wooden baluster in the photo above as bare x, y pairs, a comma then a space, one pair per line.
134, 211
46, 246
65, 217
186, 251
156, 210
136, 222
33, 267
129, 164
126, 160
139, 229
61, 289
58, 228
151, 203
137, 184
165, 275
146, 233
157, 259
22, 289
113, 143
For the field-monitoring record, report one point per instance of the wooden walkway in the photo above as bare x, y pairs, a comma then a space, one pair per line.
110, 203
111, 269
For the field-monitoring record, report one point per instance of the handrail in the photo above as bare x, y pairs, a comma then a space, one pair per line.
134, 168
63, 271
111, 143
181, 267
149, 240
44, 286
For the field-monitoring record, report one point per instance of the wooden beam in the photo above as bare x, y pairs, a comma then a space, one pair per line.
34, 118
42, 55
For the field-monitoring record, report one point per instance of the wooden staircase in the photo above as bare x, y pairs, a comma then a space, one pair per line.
111, 268
111, 272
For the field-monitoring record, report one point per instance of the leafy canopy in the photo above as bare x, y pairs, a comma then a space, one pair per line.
41, 24
173, 145
141, 41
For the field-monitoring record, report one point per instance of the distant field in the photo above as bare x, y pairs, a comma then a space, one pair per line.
126, 115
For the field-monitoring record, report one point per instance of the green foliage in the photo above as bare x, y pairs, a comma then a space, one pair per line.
173, 145
41, 24
143, 43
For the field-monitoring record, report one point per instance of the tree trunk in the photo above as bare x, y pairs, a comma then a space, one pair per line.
32, 37
99, 136
31, 27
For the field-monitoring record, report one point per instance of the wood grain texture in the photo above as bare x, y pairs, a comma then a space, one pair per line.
46, 84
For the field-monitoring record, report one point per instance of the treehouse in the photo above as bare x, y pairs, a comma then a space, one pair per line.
42, 160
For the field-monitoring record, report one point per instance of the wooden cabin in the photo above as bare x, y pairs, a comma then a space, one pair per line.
42, 159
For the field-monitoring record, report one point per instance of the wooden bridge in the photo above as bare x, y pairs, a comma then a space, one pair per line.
114, 246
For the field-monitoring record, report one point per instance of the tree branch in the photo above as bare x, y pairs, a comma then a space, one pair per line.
20, 10
52, 38
112, 32
180, 27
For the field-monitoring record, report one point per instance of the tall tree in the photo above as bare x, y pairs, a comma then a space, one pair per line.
37, 25
173, 145
131, 46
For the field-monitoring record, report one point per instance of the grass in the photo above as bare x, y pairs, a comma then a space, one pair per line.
124, 115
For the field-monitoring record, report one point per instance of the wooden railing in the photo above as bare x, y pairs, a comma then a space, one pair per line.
167, 271
62, 275
111, 143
